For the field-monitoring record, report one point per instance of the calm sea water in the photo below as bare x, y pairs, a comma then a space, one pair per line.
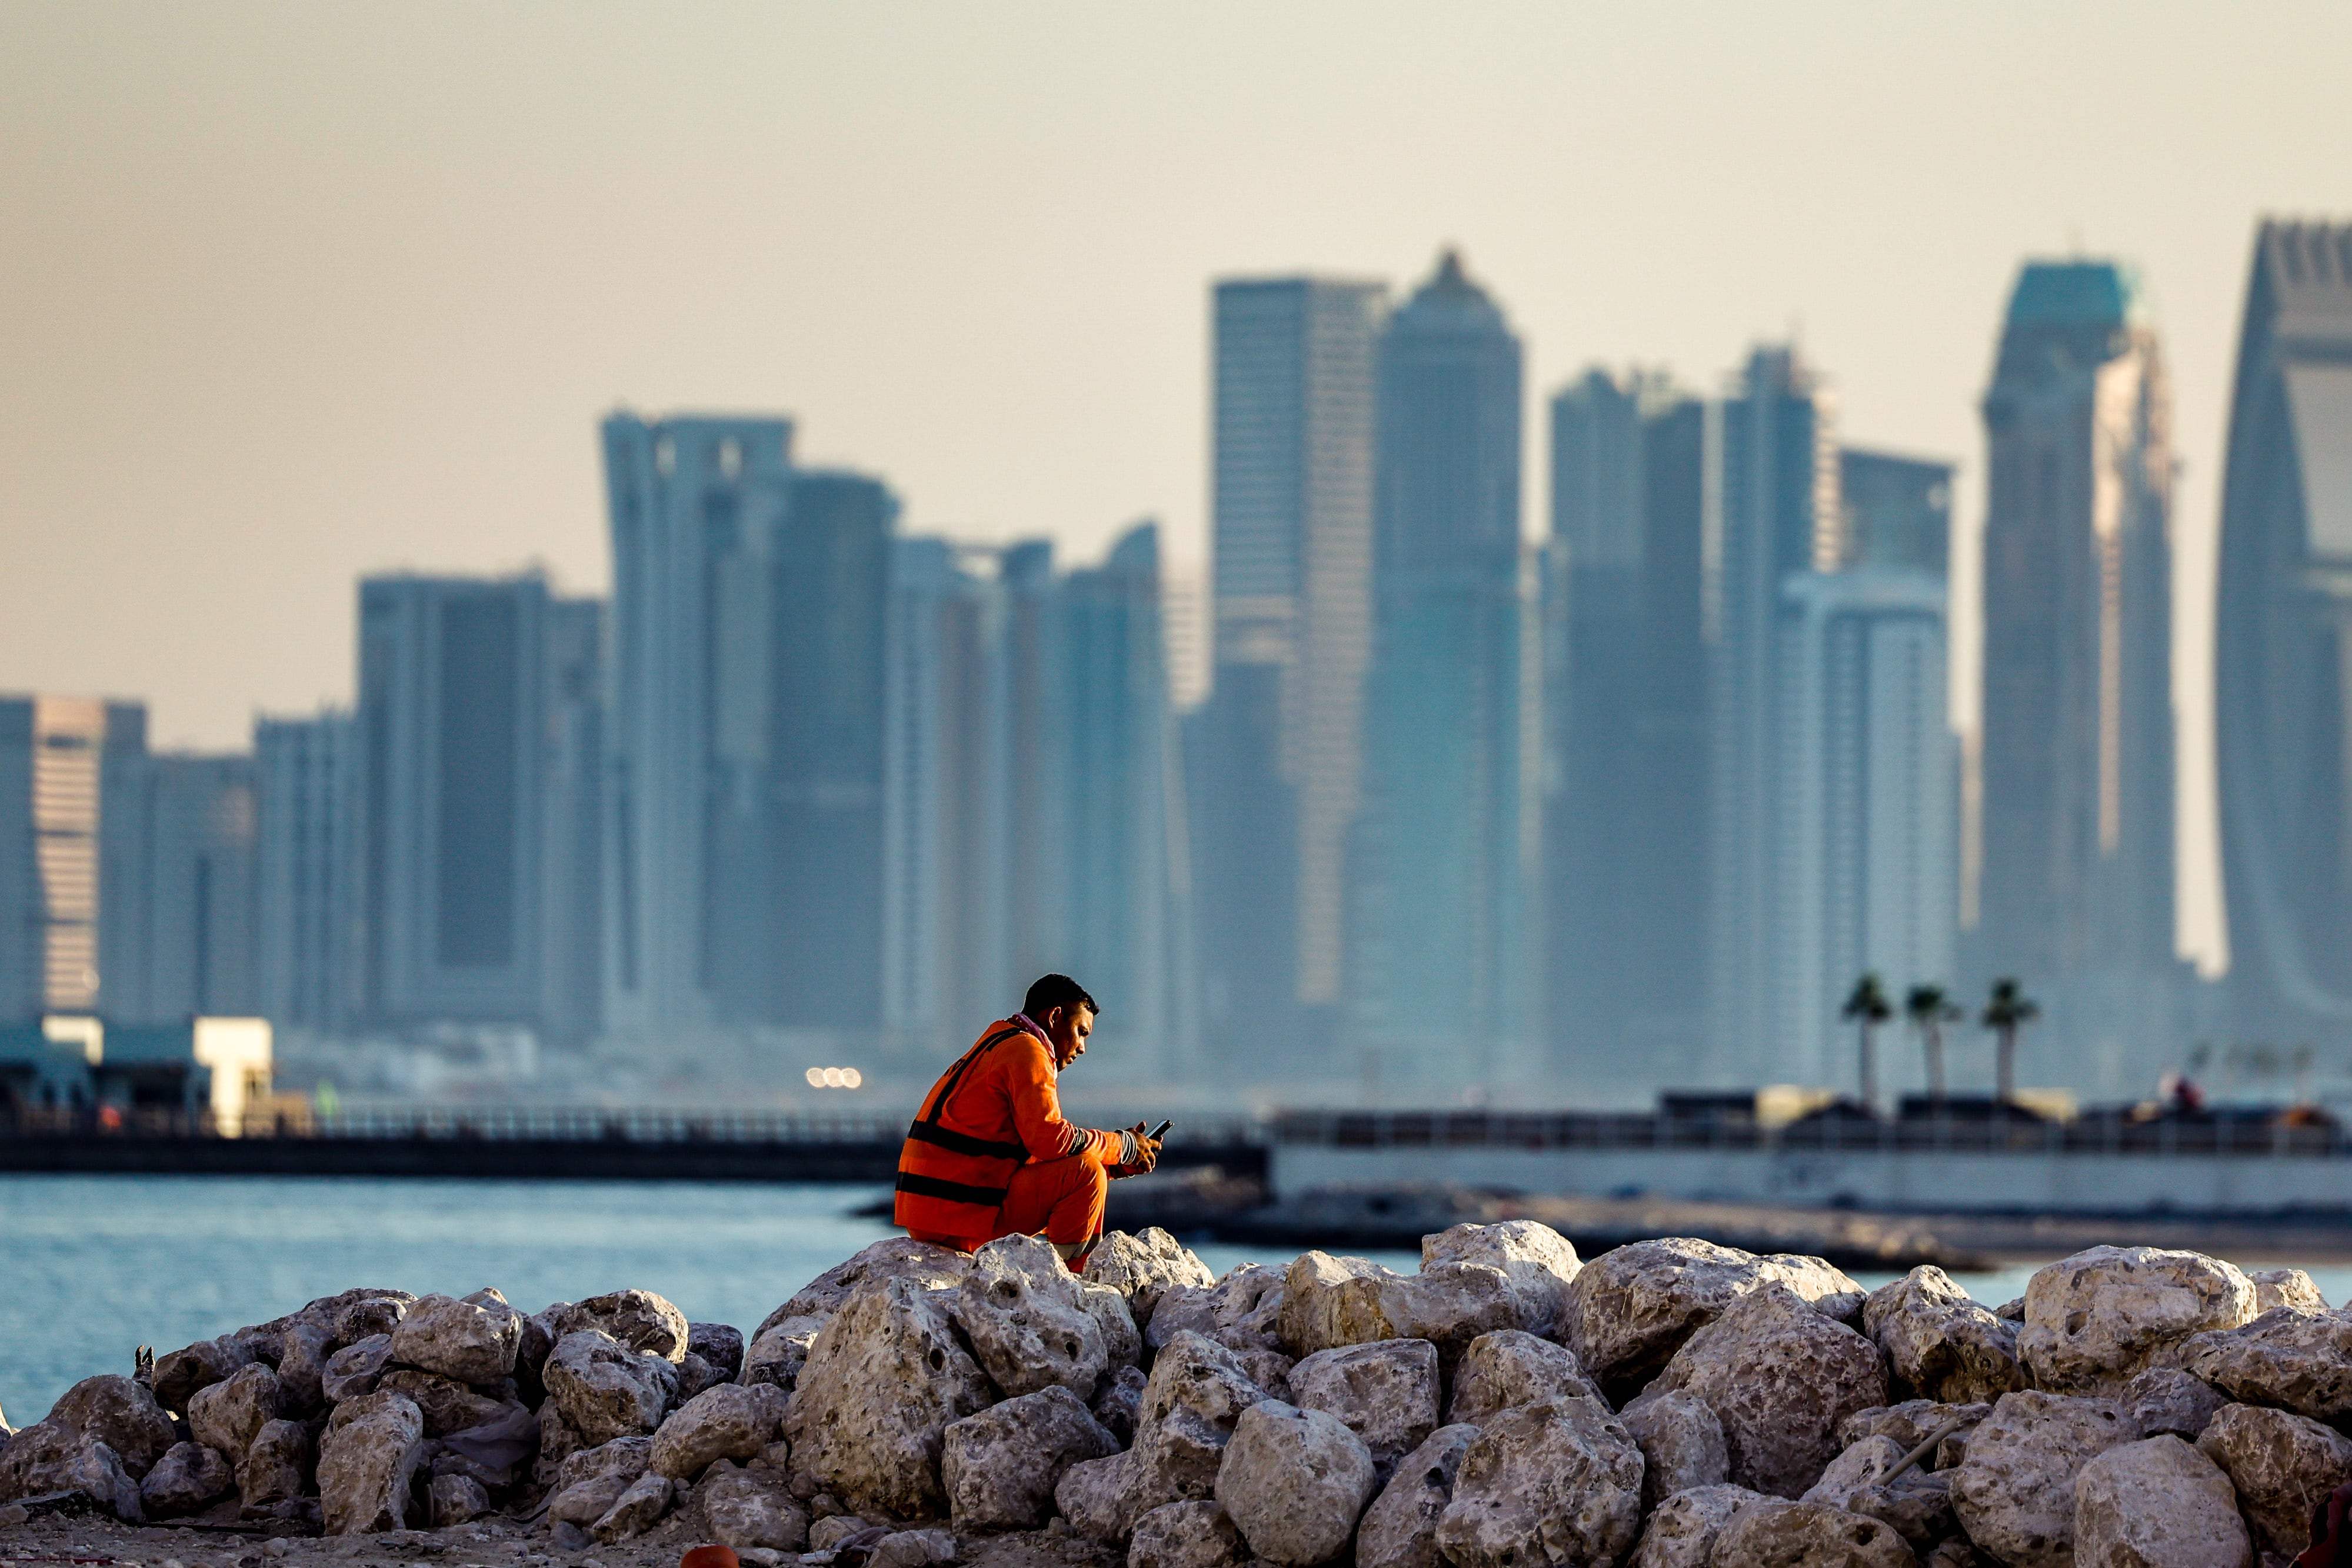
91, 1267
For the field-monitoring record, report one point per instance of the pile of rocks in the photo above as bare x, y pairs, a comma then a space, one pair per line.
1670, 1404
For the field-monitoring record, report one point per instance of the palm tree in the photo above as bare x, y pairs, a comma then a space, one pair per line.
1929, 1008
1868, 1008
2007, 1011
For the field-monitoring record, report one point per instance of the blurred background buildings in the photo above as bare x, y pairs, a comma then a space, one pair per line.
1415, 808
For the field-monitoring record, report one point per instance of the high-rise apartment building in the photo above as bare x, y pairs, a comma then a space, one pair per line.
2283, 672
1777, 514
1444, 967
68, 771
1898, 511
695, 505
1035, 816
572, 810
1627, 811
1866, 806
457, 914
1275, 754
307, 861
189, 867
2077, 719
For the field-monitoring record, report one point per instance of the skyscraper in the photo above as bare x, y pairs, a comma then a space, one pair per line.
195, 949
819, 960
695, 504
1866, 808
1035, 821
1444, 972
454, 731
1777, 514
308, 775
68, 771
2078, 747
2283, 678
1626, 810
1274, 755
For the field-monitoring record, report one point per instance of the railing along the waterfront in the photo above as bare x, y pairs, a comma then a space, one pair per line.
2097, 1133
536, 1123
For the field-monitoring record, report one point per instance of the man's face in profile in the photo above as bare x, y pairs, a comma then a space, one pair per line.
1067, 1028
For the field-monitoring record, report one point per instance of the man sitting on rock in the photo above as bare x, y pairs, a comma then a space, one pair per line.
989, 1154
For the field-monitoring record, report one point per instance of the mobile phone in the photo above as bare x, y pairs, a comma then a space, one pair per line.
1161, 1131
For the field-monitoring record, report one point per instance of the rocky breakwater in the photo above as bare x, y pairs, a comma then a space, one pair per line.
1671, 1404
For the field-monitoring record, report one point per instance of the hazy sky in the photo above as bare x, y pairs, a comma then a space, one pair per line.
293, 292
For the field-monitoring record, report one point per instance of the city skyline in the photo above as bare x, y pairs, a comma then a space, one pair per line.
241, 228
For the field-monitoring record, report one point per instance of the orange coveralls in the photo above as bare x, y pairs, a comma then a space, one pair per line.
990, 1154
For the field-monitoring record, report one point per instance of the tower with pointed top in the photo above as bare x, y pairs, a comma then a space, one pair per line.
1444, 973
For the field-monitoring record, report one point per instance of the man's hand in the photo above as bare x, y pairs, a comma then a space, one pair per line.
1137, 1151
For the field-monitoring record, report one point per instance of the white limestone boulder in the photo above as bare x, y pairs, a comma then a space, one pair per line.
226, 1415
1187, 1535
2164, 1401
1400, 1529
2014, 1492
1293, 1482
1630, 1310
200, 1365
1870, 1478
354, 1369
777, 1354
2158, 1503
731, 1421
189, 1477
749, 1506
1510, 1367
639, 1319
116, 1411
1681, 1532
280, 1466
605, 1390
1385, 1393
2297, 1361
51, 1456
2286, 1288
637, 1509
2281, 1465
884, 1381
1558, 1482
1000, 1466
1196, 1391
367, 1460
1026, 1320
449, 1405
472, 1339
2095, 1319
1144, 1266
1777, 1534
588, 1483
1939, 1343
1780, 1375
1240, 1310
893, 1258
1680, 1441
455, 1499
1539, 1262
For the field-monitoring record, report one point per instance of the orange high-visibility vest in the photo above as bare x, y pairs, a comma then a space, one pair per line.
990, 1114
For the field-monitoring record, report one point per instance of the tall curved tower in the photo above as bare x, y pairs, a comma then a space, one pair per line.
2283, 637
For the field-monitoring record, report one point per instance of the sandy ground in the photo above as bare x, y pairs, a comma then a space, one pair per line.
488, 1542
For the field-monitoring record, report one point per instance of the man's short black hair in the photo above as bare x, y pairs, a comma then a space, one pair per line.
1056, 991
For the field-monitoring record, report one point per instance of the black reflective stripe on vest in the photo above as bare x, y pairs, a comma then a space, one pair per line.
953, 1191
963, 1144
927, 1129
